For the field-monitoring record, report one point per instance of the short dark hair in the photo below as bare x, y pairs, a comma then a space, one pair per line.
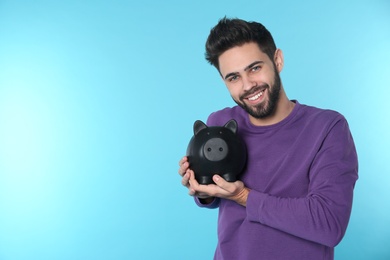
229, 33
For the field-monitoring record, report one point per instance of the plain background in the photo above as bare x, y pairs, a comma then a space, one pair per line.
97, 102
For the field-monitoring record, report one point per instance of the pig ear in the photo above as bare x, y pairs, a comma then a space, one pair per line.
232, 125
198, 126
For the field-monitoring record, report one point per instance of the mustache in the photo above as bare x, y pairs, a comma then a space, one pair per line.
253, 90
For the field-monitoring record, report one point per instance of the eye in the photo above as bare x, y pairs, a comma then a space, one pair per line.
255, 68
233, 78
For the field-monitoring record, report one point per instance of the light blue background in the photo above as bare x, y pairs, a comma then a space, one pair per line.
97, 102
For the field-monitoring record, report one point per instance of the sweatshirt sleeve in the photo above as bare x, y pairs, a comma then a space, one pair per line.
214, 204
323, 215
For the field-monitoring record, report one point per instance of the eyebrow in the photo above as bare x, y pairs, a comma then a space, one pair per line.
246, 68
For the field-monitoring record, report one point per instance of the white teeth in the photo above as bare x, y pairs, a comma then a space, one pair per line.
256, 96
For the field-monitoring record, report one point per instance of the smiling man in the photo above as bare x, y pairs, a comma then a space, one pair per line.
294, 198
254, 83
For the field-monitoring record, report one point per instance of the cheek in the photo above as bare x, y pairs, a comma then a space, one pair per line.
234, 91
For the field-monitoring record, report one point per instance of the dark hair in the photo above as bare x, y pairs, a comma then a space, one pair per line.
229, 33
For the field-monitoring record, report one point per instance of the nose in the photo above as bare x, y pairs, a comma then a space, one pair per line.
247, 83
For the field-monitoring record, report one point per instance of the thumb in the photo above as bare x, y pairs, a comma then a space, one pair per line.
219, 180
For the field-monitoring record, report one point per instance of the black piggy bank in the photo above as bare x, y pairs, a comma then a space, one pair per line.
216, 150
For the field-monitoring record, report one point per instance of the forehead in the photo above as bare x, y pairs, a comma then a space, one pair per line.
238, 58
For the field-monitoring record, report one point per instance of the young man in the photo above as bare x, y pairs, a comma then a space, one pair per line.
294, 198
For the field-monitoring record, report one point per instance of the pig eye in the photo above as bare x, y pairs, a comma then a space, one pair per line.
220, 149
209, 149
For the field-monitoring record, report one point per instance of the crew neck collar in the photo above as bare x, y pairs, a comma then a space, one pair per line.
254, 128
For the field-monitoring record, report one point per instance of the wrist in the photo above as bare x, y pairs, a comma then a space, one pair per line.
241, 197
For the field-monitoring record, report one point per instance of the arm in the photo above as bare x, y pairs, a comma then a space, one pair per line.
322, 216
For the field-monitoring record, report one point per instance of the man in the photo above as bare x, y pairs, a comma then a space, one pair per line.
294, 198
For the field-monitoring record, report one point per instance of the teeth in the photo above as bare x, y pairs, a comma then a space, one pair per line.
256, 96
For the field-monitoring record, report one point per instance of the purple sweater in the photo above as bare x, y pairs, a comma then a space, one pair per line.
301, 172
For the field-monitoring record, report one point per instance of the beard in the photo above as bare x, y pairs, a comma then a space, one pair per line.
266, 108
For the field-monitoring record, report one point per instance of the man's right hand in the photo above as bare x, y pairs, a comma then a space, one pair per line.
186, 173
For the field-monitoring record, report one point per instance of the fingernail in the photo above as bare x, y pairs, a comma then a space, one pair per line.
216, 178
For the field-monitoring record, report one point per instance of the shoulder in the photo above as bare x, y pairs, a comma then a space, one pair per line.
315, 114
222, 116
321, 119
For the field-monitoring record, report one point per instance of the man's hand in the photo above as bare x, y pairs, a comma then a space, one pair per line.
235, 191
185, 172
183, 167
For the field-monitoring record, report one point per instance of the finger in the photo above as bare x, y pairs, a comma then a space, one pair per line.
194, 184
191, 192
229, 187
201, 190
185, 179
183, 160
183, 168
220, 182
195, 189
192, 181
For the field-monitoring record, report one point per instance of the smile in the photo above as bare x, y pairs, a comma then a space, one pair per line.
257, 96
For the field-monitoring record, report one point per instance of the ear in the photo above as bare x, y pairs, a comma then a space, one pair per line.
231, 125
279, 60
198, 126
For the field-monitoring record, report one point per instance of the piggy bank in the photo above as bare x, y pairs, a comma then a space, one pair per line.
216, 150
